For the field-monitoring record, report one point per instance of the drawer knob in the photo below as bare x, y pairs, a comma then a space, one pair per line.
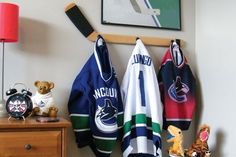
28, 147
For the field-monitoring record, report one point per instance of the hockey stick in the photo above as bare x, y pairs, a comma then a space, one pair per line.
79, 20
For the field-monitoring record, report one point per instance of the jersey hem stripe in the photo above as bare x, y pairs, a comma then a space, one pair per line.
81, 130
104, 138
78, 115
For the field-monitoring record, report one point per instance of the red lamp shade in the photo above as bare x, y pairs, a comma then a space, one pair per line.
9, 14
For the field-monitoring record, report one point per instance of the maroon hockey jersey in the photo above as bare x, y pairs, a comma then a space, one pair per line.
177, 86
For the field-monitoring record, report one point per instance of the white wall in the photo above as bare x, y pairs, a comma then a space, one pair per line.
51, 48
216, 67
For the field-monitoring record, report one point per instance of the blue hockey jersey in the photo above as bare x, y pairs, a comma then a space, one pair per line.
95, 104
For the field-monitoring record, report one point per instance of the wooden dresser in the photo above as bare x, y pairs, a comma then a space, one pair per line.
30, 138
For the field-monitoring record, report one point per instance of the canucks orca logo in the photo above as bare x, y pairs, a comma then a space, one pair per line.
105, 117
178, 91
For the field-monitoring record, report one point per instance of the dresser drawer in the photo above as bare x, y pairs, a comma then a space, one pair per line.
31, 144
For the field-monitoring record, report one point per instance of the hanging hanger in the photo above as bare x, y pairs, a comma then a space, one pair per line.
79, 20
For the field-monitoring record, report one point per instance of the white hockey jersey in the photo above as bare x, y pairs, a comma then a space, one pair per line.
142, 106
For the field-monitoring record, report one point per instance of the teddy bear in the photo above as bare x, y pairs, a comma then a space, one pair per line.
43, 101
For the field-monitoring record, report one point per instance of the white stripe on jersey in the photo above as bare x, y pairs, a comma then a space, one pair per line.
78, 115
179, 119
104, 138
105, 152
81, 130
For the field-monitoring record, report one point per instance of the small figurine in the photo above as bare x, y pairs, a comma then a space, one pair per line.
43, 102
200, 147
176, 137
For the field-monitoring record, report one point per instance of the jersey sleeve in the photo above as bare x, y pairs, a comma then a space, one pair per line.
160, 85
78, 107
120, 116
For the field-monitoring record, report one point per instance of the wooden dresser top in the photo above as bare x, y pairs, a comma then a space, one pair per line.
32, 123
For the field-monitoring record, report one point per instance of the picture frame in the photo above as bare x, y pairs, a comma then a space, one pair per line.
160, 14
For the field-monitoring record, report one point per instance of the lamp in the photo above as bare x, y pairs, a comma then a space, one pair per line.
9, 14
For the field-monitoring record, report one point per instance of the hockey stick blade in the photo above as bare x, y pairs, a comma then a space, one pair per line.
79, 20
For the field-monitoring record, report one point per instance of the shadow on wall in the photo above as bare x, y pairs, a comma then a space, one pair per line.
197, 117
34, 36
217, 150
199, 106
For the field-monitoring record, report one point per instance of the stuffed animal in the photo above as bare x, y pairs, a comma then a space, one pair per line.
176, 137
200, 147
43, 102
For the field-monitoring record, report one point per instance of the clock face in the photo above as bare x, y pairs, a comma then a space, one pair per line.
18, 105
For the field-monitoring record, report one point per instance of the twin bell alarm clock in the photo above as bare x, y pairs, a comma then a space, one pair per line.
19, 104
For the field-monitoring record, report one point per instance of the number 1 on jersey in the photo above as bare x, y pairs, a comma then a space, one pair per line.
141, 86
